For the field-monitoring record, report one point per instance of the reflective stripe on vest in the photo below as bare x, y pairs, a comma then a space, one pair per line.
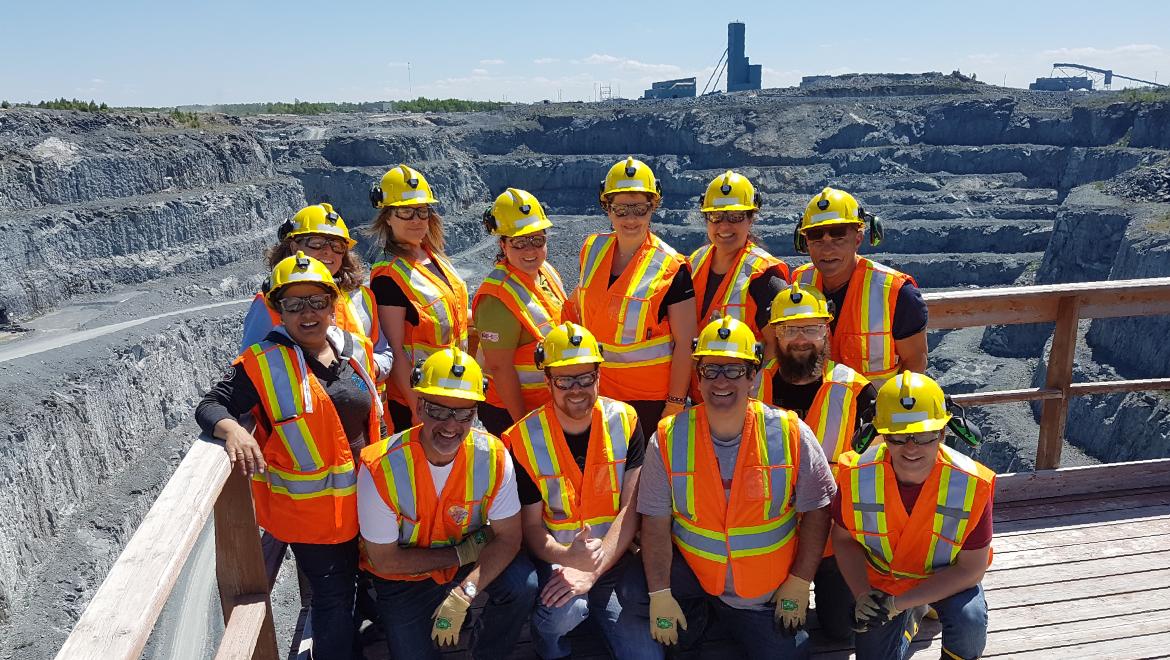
830, 421
339, 479
751, 261
363, 309
442, 315
956, 496
534, 317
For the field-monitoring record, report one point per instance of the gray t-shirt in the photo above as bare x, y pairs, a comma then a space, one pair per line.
815, 488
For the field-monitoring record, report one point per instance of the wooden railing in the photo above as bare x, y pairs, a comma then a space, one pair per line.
119, 619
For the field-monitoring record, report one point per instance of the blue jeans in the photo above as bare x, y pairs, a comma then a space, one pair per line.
625, 635
332, 573
964, 629
405, 610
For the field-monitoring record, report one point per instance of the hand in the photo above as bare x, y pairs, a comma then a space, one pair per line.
665, 617
565, 584
672, 408
791, 600
449, 618
242, 449
585, 553
468, 549
874, 609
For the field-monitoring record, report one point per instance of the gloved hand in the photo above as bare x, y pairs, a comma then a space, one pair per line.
672, 408
665, 617
449, 618
791, 601
874, 609
468, 549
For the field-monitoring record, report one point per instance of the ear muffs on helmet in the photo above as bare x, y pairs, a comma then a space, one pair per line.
376, 195
964, 430
863, 438
282, 232
416, 374
538, 355
489, 222
758, 350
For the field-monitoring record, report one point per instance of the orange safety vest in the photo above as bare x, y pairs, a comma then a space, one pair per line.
756, 531
537, 314
355, 312
904, 549
441, 308
864, 335
427, 519
732, 298
570, 498
308, 492
624, 317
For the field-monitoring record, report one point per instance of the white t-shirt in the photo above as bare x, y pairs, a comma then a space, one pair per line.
379, 524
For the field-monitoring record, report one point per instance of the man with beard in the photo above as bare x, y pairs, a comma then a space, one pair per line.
581, 455
831, 398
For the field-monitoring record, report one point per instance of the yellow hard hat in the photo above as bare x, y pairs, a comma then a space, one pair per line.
295, 270
449, 372
568, 344
797, 302
831, 207
630, 175
317, 219
910, 403
401, 186
516, 213
730, 191
728, 337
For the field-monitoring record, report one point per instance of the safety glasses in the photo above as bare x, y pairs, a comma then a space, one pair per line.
293, 304
525, 242
730, 217
728, 371
900, 439
337, 245
807, 331
569, 382
412, 212
636, 210
443, 413
835, 232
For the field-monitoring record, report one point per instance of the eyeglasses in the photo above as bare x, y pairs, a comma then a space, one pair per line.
730, 217
293, 304
636, 210
581, 380
835, 232
525, 242
900, 439
412, 212
338, 245
443, 413
728, 371
807, 331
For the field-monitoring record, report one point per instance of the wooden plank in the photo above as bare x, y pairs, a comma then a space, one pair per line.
1054, 412
1153, 645
1074, 520
119, 619
1030, 617
1073, 498
1055, 636
1006, 544
1085, 588
1108, 387
1018, 486
1014, 576
1058, 508
1005, 396
1084, 551
243, 627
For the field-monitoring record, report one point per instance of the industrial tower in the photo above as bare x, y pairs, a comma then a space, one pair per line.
740, 74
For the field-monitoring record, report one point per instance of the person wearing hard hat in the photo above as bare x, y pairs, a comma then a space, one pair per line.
309, 386
635, 295
913, 525
581, 454
724, 483
517, 304
422, 302
733, 275
831, 398
880, 326
440, 522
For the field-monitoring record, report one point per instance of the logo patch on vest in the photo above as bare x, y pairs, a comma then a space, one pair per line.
458, 513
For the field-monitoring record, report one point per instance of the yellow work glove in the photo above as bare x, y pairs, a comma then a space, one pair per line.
665, 617
874, 609
468, 549
449, 618
791, 600
672, 408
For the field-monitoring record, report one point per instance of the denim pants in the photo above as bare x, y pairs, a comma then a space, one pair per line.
332, 573
626, 636
834, 601
964, 629
405, 609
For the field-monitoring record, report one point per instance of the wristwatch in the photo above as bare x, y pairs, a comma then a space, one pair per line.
469, 590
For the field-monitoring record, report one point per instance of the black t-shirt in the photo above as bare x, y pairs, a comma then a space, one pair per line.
762, 290
681, 288
910, 315
579, 445
799, 398
387, 293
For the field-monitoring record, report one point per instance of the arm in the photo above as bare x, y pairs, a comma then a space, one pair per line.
393, 321
912, 352
498, 553
621, 533
383, 354
257, 324
656, 551
395, 559
810, 542
683, 329
850, 561
499, 363
218, 414
965, 573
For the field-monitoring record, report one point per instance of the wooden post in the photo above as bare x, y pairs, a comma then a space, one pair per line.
1054, 412
239, 562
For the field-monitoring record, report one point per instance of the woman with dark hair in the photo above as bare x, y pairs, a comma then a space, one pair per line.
422, 301
515, 307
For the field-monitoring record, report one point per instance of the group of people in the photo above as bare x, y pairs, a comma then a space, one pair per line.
677, 445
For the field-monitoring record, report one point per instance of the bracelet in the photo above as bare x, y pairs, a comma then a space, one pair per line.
676, 399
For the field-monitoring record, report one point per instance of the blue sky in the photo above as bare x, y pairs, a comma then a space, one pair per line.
168, 53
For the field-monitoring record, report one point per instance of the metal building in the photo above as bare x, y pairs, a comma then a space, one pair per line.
740, 74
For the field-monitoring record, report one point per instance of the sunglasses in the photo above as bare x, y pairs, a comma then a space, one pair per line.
569, 382
636, 210
525, 242
835, 232
917, 438
730, 217
412, 212
443, 413
806, 331
728, 371
320, 243
293, 304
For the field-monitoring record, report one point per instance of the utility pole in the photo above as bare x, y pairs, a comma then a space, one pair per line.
409, 83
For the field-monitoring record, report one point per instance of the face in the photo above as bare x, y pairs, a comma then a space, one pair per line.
576, 402
723, 394
834, 257
528, 257
913, 462
445, 436
308, 326
802, 345
728, 236
325, 250
631, 226
413, 229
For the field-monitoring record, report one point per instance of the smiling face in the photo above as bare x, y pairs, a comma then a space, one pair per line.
442, 438
835, 258
631, 227
323, 252
308, 326
728, 237
800, 356
527, 259
576, 403
912, 462
725, 395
